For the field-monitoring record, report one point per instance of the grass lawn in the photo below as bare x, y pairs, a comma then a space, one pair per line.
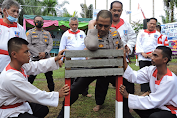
82, 108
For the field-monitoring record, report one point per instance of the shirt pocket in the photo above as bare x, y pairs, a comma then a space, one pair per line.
35, 39
45, 39
116, 43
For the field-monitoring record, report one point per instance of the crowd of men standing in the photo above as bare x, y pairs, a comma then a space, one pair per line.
23, 54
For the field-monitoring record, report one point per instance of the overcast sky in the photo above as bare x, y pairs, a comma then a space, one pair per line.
146, 5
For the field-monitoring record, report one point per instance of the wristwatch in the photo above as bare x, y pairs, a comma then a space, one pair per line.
46, 53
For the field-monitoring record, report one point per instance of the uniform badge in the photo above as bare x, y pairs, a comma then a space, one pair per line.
69, 37
114, 35
101, 45
117, 42
81, 36
27, 33
155, 35
17, 33
45, 40
125, 32
45, 37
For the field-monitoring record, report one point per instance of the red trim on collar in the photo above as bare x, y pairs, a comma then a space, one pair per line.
121, 22
9, 67
71, 32
150, 31
8, 25
169, 73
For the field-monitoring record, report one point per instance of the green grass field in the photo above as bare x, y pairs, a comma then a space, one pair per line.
82, 108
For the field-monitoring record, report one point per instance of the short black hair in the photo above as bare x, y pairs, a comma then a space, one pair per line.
158, 27
15, 44
104, 14
111, 6
166, 52
151, 19
38, 16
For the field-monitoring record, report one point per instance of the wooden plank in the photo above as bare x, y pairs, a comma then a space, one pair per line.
97, 53
93, 72
94, 63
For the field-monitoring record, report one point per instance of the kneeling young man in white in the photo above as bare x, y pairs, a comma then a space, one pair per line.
18, 97
162, 101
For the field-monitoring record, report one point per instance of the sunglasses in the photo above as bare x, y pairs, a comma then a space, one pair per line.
105, 26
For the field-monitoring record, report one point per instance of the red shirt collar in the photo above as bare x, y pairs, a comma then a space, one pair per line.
169, 73
71, 32
8, 25
121, 22
9, 67
150, 31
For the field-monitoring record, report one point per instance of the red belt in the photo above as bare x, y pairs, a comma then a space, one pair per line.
4, 52
172, 108
11, 106
148, 52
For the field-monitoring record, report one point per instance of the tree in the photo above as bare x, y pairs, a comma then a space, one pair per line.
60, 9
65, 13
27, 7
169, 11
87, 12
137, 25
49, 9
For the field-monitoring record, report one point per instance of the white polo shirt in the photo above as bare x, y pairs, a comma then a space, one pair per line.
147, 41
8, 31
126, 33
73, 41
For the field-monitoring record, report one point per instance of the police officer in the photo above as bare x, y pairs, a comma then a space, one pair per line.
40, 44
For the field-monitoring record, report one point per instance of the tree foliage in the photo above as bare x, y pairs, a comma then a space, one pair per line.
169, 6
87, 12
137, 25
65, 13
49, 9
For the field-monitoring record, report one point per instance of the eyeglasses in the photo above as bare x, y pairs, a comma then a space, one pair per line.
105, 26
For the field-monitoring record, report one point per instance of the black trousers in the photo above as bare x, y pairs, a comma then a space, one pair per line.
78, 87
49, 78
144, 87
101, 93
155, 113
39, 111
85, 92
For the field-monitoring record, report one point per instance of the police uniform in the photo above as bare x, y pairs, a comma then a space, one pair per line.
40, 41
93, 41
127, 34
7, 31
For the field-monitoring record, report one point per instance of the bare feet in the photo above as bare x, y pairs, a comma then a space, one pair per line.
146, 93
97, 108
130, 110
89, 95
